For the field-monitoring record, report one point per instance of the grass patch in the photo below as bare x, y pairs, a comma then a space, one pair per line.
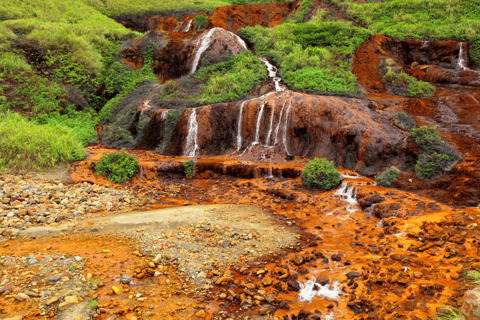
418, 19
228, 81
313, 56
402, 84
388, 177
27, 145
117, 166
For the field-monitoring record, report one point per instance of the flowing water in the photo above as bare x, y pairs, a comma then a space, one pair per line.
278, 125
348, 194
257, 132
189, 26
272, 73
271, 125
191, 146
462, 64
239, 127
286, 127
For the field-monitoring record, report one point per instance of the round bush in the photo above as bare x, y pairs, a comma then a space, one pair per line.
403, 121
117, 166
434, 165
426, 137
321, 174
388, 177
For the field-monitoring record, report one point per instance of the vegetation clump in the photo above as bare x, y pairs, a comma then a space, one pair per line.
117, 166
189, 168
200, 21
27, 145
403, 84
437, 157
321, 174
403, 121
388, 177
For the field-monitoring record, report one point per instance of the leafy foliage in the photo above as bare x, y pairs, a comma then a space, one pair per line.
451, 313
312, 56
200, 21
28, 145
302, 12
403, 121
117, 166
437, 157
403, 84
230, 80
189, 168
388, 177
321, 174
426, 137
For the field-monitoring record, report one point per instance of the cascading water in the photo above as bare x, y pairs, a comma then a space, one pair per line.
278, 125
189, 26
349, 195
286, 127
146, 105
311, 289
192, 145
462, 58
271, 125
204, 42
476, 101
272, 73
257, 133
239, 127
164, 115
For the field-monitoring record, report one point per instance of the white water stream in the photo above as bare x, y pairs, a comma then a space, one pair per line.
461, 58
239, 127
164, 115
204, 42
272, 73
476, 101
311, 289
192, 145
286, 127
349, 195
189, 26
257, 132
271, 125
278, 125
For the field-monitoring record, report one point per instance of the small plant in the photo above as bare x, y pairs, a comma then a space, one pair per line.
473, 277
321, 174
403, 121
433, 165
117, 166
426, 136
403, 84
72, 267
388, 177
189, 168
200, 22
450, 313
93, 304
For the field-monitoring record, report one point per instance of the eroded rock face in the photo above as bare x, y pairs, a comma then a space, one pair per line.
279, 124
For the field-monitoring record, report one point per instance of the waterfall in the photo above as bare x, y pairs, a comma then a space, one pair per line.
461, 58
192, 145
239, 127
164, 115
259, 118
476, 101
270, 173
188, 26
278, 125
271, 125
146, 105
286, 127
349, 195
205, 41
311, 288
424, 44
272, 73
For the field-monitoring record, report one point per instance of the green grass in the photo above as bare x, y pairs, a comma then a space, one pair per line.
403, 84
450, 314
419, 19
230, 80
26, 145
473, 277
117, 166
312, 56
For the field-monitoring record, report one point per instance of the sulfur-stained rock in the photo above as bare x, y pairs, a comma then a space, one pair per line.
471, 304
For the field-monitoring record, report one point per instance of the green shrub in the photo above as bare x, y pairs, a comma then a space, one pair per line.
230, 80
200, 21
321, 174
403, 121
403, 84
475, 50
28, 145
433, 165
189, 168
388, 177
302, 12
117, 166
426, 137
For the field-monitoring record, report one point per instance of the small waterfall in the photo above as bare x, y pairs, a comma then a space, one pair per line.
259, 118
146, 105
272, 73
349, 195
270, 173
192, 145
476, 101
311, 289
205, 41
278, 125
424, 44
286, 127
189, 25
239, 127
350, 176
271, 125
164, 115
462, 55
